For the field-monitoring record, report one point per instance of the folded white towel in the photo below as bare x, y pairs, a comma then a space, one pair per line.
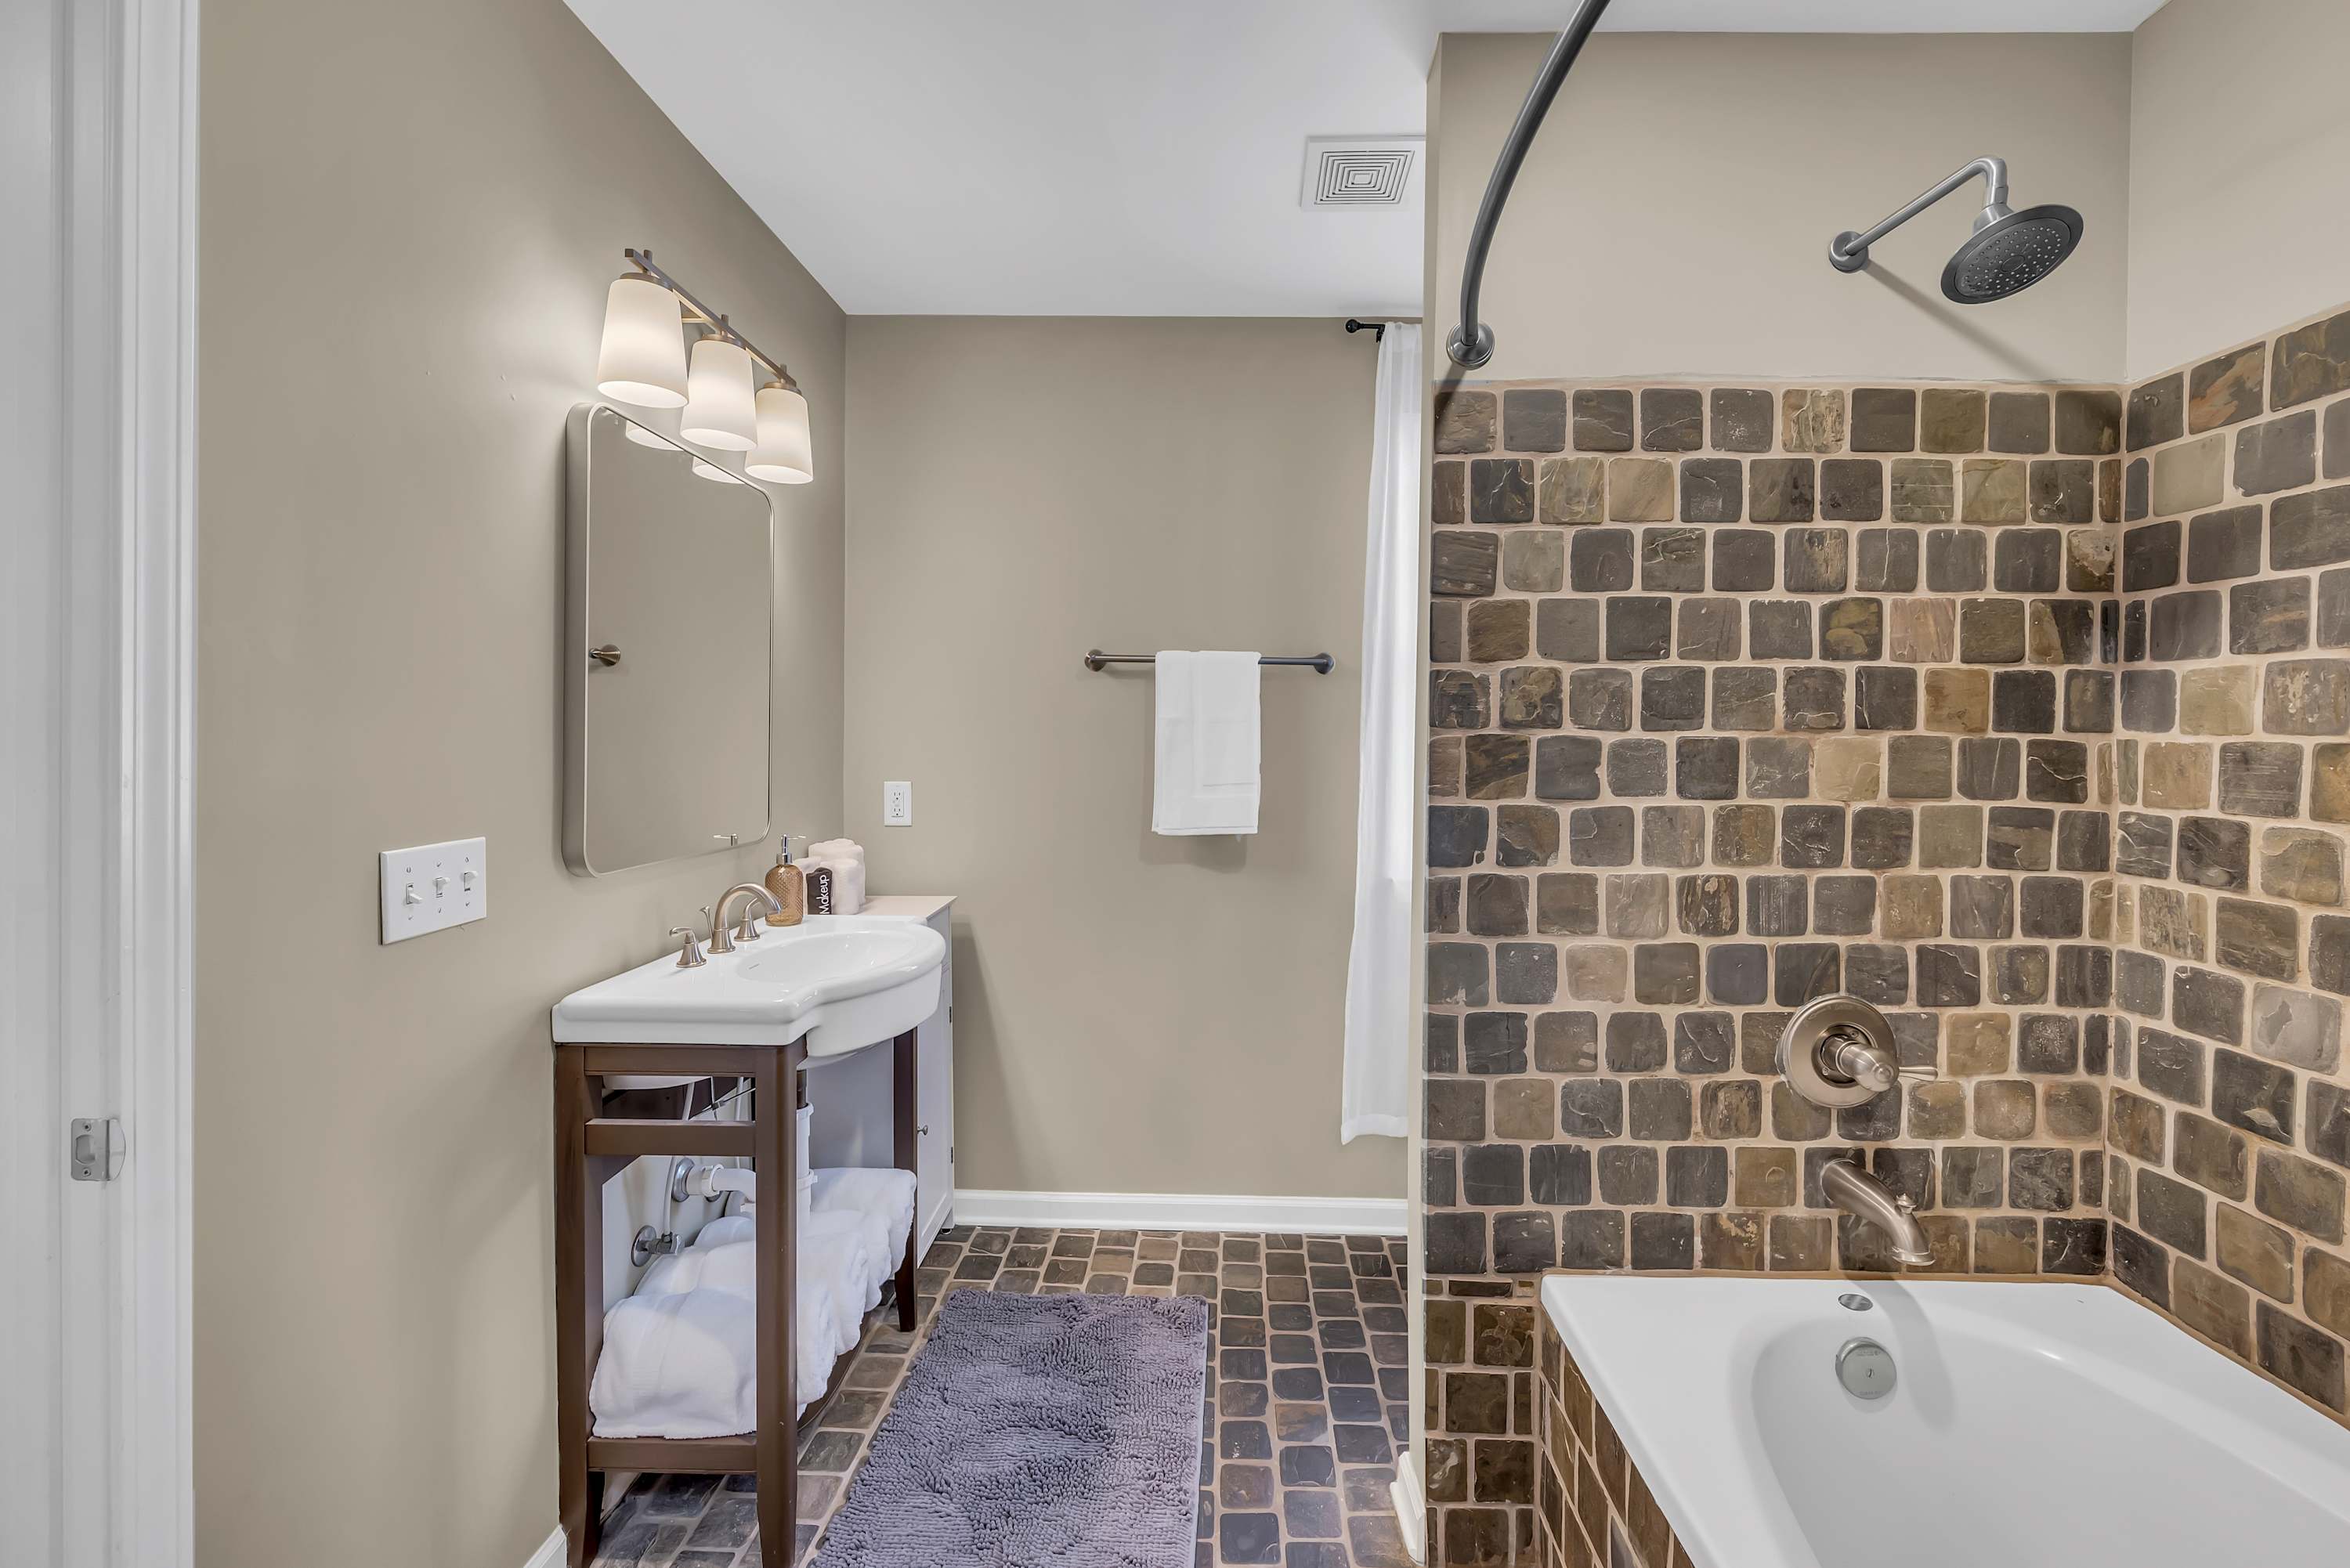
1204, 757
883, 1200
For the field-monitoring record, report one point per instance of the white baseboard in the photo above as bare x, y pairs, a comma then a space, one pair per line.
1182, 1212
550, 1552
1410, 1506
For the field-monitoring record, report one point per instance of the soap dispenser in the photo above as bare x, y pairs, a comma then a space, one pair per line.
787, 887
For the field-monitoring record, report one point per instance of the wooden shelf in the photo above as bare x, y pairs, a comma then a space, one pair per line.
680, 1456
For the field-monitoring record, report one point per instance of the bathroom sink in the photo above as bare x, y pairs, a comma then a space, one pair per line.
839, 981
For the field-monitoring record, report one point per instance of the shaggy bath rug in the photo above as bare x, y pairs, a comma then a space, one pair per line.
1057, 1430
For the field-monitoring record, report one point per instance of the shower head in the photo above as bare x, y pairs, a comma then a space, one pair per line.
2007, 252
2010, 251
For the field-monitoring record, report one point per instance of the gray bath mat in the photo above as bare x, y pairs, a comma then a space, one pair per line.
1037, 1432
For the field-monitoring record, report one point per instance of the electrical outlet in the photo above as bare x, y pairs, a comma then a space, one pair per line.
433, 886
898, 804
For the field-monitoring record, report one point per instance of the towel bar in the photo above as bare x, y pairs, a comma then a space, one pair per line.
1320, 663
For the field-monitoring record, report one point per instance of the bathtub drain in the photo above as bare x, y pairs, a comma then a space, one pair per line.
1852, 1300
1865, 1368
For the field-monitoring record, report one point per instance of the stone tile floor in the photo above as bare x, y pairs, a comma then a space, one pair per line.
1305, 1409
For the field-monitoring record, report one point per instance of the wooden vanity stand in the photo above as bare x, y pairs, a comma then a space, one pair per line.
591, 1149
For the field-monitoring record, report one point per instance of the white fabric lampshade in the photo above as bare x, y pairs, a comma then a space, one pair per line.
643, 358
782, 456
720, 412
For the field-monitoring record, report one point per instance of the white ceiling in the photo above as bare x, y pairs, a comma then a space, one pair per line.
1116, 157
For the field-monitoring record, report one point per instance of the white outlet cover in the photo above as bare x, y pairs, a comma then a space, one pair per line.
898, 804
433, 886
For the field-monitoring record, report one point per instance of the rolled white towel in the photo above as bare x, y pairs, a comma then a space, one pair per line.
684, 1364
836, 1252
676, 1366
883, 1195
846, 859
838, 1258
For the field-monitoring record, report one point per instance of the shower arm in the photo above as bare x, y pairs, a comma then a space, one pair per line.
1848, 252
1472, 343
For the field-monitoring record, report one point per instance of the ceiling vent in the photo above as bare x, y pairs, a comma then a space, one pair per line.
1353, 172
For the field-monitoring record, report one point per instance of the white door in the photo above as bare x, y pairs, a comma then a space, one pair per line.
95, 532
36, 1464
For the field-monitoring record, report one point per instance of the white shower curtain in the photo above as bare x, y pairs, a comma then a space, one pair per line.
1378, 1081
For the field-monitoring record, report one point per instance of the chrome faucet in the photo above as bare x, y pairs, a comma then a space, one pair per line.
1871, 1203
721, 940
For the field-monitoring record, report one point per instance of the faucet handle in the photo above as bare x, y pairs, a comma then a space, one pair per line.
1838, 1050
1848, 1054
689, 956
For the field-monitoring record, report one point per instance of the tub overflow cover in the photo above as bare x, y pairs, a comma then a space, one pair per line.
1865, 1368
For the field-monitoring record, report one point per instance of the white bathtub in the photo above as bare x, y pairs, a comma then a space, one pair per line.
2030, 1425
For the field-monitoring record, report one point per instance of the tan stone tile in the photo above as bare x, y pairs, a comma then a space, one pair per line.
2186, 475
1594, 972
1639, 490
1992, 490
2177, 777
1574, 489
1978, 1044
2217, 701
1921, 631
1958, 701
1909, 907
1849, 768
1811, 419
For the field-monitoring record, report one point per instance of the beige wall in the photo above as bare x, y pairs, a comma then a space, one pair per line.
2240, 173
1133, 1014
411, 214
1674, 216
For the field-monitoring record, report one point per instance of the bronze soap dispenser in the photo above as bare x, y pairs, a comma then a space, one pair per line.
788, 887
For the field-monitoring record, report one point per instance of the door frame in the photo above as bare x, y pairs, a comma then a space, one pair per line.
155, 632
101, 704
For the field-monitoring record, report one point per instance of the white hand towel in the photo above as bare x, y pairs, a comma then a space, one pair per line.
1205, 754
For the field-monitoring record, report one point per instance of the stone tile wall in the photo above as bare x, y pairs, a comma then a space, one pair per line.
1741, 695
2231, 1109
1592, 1506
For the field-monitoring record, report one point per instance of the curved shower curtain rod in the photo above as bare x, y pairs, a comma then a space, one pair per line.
1472, 343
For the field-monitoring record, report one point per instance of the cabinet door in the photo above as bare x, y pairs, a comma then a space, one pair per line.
934, 1098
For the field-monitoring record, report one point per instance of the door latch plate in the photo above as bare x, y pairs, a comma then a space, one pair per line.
96, 1146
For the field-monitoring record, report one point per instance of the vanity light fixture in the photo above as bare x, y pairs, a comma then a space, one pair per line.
644, 361
643, 358
782, 456
719, 411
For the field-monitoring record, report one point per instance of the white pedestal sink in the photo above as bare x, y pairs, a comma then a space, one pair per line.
842, 981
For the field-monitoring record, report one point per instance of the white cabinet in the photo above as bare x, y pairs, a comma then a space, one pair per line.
851, 1096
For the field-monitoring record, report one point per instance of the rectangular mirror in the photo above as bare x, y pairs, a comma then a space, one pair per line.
668, 599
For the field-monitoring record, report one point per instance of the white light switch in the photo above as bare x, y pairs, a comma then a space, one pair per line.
434, 887
898, 804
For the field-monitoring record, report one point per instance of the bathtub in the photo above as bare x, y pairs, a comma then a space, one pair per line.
2029, 1424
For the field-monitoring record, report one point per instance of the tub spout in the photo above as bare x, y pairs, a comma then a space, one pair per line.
1871, 1203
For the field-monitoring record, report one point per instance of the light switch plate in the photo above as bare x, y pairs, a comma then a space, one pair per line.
898, 804
433, 886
